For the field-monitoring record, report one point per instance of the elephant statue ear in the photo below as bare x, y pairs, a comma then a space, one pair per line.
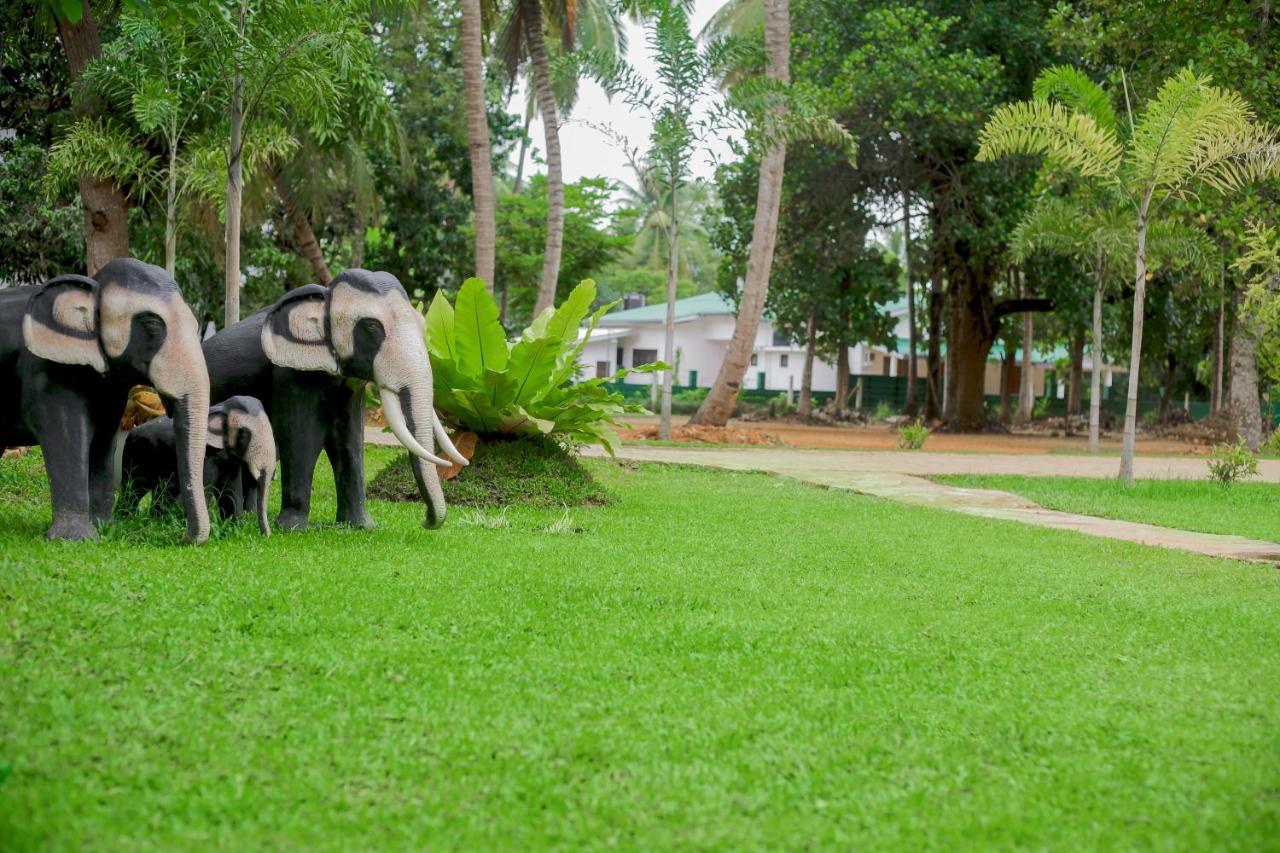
61, 322
217, 436
295, 333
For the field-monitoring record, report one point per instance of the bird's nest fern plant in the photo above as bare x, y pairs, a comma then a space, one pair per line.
528, 386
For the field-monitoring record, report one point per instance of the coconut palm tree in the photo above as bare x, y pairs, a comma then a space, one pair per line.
651, 200
471, 36
1192, 136
523, 37
718, 405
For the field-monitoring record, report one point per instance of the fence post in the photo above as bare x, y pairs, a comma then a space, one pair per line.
791, 387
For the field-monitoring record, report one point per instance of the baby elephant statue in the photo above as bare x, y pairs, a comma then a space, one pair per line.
239, 462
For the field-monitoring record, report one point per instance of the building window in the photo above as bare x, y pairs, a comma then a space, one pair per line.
640, 357
621, 360
755, 359
780, 340
783, 360
602, 369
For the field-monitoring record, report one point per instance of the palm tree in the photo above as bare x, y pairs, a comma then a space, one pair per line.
150, 74
482, 197
651, 201
1192, 136
291, 60
1097, 229
718, 405
523, 38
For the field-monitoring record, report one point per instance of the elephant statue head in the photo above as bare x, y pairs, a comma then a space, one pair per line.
130, 323
239, 426
363, 326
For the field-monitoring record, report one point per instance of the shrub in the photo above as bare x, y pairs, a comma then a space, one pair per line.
686, 402
1231, 462
884, 410
530, 471
1272, 445
494, 387
912, 436
1040, 410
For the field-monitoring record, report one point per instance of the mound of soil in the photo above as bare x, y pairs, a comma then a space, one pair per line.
709, 435
1215, 429
524, 471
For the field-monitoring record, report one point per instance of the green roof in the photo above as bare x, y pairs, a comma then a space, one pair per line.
712, 304
703, 305
1039, 356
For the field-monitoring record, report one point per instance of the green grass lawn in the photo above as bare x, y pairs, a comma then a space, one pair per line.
714, 660
1243, 509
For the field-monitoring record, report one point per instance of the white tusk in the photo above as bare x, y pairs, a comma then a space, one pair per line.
446, 445
395, 420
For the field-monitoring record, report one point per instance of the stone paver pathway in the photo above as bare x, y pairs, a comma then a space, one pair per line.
900, 477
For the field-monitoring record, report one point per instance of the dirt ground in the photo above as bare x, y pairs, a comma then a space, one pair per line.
882, 437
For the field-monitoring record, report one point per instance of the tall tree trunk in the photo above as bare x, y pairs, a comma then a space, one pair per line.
842, 379
482, 197
532, 11
970, 333
669, 326
1095, 357
234, 190
1219, 334
804, 408
1075, 382
933, 387
358, 227
1006, 381
106, 211
912, 406
1027, 387
524, 151
1166, 390
171, 213
718, 405
1135, 355
1244, 402
308, 245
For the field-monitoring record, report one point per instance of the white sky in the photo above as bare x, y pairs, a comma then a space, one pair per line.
587, 153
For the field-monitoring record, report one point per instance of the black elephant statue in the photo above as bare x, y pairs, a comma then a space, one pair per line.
308, 359
70, 350
239, 461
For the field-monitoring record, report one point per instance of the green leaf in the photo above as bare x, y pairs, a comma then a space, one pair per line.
478, 336
568, 317
531, 364
439, 329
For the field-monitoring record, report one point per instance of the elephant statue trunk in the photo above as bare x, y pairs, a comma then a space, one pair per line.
411, 417
264, 491
181, 377
190, 423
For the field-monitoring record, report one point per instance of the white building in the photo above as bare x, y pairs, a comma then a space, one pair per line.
704, 326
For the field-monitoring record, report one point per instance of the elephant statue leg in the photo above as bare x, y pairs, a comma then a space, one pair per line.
345, 448
230, 492
64, 437
301, 440
103, 475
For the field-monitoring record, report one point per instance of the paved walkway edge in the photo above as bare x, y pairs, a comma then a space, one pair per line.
986, 503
